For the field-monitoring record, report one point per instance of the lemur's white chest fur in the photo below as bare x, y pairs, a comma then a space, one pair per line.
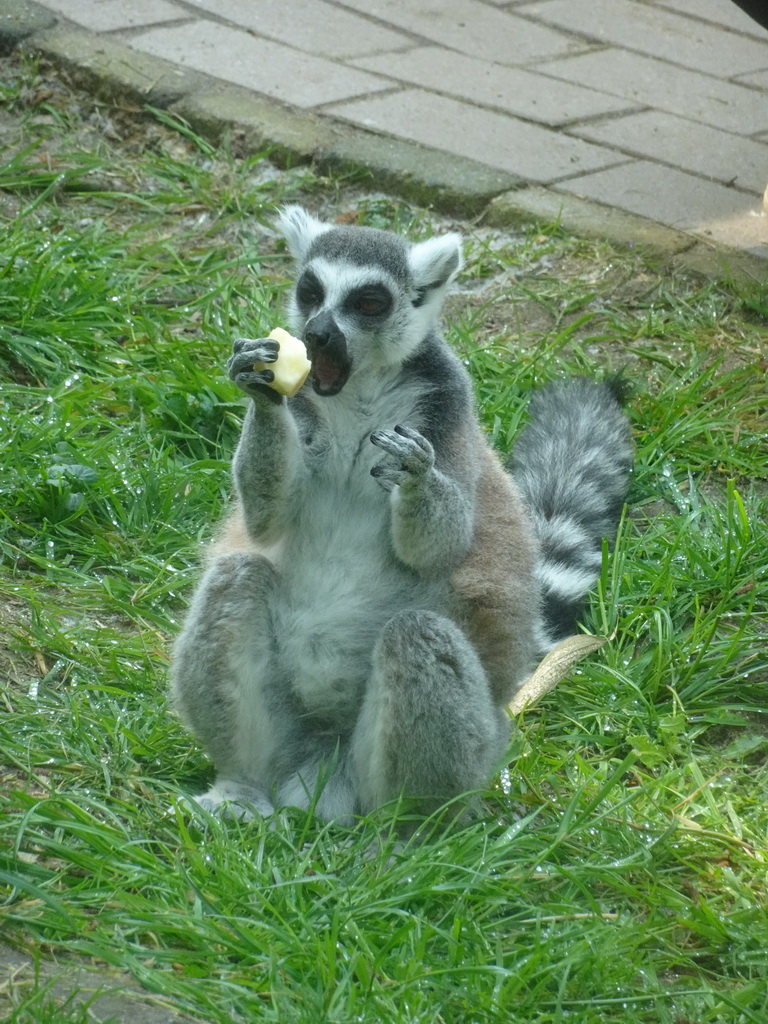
339, 577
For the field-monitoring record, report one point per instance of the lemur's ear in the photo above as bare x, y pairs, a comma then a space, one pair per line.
433, 263
300, 229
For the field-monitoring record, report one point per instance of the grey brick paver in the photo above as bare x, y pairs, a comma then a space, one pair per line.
260, 64
311, 25
513, 145
513, 90
652, 30
719, 12
472, 28
654, 111
655, 83
687, 144
109, 15
757, 80
679, 200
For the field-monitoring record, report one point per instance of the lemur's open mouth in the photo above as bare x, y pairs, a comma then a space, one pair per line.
329, 375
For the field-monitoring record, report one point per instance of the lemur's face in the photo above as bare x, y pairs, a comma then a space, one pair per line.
364, 299
351, 317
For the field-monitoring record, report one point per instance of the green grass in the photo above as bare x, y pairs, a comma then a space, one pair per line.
619, 873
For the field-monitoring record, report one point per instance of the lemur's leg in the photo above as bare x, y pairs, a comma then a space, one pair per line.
222, 665
428, 726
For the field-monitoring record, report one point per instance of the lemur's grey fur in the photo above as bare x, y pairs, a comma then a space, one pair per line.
572, 464
373, 602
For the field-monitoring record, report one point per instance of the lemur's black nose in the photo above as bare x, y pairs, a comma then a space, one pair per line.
328, 353
322, 331
315, 339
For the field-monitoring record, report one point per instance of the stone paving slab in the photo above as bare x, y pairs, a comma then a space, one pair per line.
668, 139
451, 126
515, 91
331, 32
718, 13
105, 17
654, 31
681, 200
656, 110
262, 65
757, 80
473, 28
663, 86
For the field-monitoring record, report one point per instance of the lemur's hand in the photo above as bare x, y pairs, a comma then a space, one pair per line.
246, 352
409, 457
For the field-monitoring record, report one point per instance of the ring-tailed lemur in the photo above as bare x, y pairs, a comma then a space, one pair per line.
374, 601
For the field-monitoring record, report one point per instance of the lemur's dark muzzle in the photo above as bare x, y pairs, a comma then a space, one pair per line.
329, 354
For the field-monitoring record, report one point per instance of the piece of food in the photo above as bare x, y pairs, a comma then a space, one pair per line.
292, 366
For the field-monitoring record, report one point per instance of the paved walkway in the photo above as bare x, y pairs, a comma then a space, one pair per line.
656, 109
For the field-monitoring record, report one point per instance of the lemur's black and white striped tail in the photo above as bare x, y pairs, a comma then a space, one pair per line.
572, 464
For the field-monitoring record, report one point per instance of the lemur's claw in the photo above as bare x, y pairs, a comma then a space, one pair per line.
409, 455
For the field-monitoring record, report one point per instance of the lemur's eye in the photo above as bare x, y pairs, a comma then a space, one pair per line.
309, 291
371, 301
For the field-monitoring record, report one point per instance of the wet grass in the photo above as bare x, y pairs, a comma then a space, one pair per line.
619, 873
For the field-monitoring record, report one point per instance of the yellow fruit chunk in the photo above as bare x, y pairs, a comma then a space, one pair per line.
291, 368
